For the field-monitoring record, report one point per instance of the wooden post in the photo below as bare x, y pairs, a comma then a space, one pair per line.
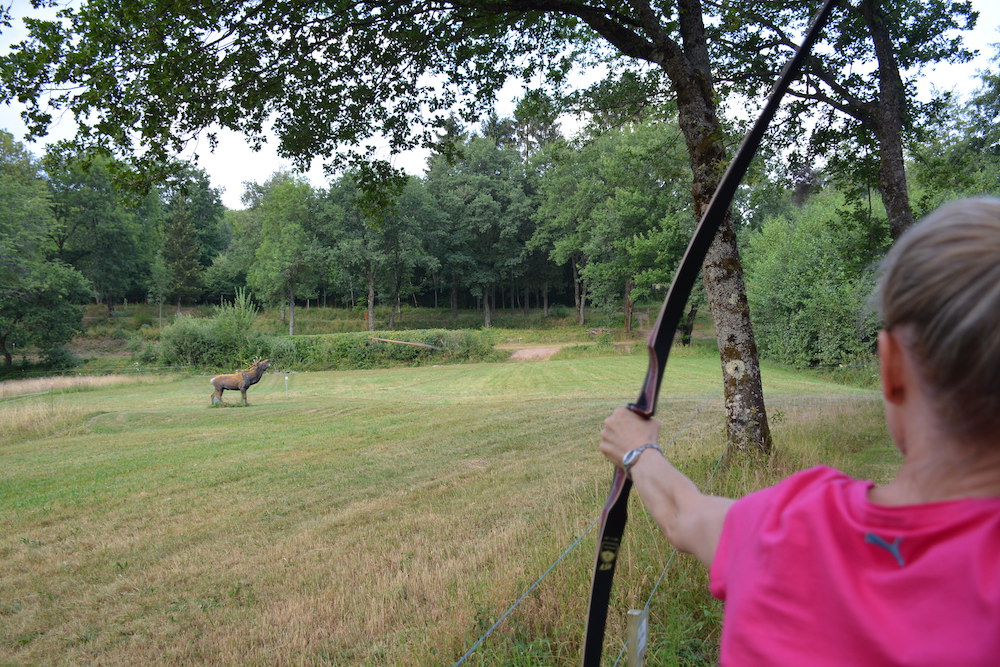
637, 629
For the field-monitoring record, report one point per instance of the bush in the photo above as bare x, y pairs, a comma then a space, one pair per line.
59, 358
224, 342
142, 318
360, 350
809, 278
189, 341
203, 343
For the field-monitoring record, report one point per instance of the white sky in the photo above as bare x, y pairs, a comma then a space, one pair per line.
234, 163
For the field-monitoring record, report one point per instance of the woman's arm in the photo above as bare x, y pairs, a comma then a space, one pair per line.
691, 520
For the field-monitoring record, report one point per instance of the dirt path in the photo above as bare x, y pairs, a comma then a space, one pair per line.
534, 353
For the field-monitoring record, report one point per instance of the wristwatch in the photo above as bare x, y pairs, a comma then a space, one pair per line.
633, 455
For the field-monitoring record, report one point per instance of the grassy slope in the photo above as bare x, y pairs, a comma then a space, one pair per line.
371, 517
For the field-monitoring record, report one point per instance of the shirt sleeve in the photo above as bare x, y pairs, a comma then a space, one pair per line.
737, 552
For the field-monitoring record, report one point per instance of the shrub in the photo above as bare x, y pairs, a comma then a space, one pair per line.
188, 341
223, 342
360, 350
59, 358
142, 318
198, 342
808, 282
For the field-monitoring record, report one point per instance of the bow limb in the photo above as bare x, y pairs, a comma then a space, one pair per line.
615, 511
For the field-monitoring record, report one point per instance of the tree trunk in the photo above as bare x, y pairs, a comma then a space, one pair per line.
291, 312
576, 285
888, 120
487, 318
687, 326
454, 300
371, 300
583, 303
545, 299
629, 306
747, 429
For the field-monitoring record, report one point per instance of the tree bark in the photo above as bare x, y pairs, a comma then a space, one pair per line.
371, 299
629, 306
747, 429
576, 284
888, 118
687, 326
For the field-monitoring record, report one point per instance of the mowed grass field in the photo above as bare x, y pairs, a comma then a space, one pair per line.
368, 517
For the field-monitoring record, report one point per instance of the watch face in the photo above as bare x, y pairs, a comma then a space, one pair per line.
630, 457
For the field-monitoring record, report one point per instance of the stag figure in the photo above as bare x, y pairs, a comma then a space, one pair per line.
241, 380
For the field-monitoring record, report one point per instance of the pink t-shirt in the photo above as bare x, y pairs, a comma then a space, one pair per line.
812, 573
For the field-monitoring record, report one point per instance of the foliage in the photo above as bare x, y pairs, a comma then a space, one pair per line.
962, 158
617, 214
329, 76
190, 341
39, 295
225, 341
360, 350
809, 277
110, 240
484, 197
857, 119
189, 187
25, 217
180, 254
233, 326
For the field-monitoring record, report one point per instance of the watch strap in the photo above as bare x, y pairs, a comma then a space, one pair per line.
633, 456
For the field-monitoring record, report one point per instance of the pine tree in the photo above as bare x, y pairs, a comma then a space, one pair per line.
181, 255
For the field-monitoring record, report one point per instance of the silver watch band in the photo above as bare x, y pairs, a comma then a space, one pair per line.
632, 457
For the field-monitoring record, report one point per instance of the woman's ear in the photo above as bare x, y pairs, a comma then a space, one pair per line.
892, 367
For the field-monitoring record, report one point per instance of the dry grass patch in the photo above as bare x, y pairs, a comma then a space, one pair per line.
36, 419
12, 388
375, 517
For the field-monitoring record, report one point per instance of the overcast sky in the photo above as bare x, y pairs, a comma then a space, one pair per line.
234, 163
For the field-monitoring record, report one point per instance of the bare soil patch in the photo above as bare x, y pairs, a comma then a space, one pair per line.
535, 353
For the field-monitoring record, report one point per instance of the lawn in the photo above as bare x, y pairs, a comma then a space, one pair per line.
364, 517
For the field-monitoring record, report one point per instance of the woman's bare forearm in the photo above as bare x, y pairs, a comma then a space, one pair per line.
692, 521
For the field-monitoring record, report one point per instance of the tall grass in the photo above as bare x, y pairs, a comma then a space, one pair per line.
11, 388
369, 517
37, 419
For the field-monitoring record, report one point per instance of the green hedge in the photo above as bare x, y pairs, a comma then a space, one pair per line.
201, 343
360, 350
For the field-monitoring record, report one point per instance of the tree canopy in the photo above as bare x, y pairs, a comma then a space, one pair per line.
40, 296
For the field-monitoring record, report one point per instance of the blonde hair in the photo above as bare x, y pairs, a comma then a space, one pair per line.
942, 280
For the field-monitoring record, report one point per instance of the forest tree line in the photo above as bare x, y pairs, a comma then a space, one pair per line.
513, 215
